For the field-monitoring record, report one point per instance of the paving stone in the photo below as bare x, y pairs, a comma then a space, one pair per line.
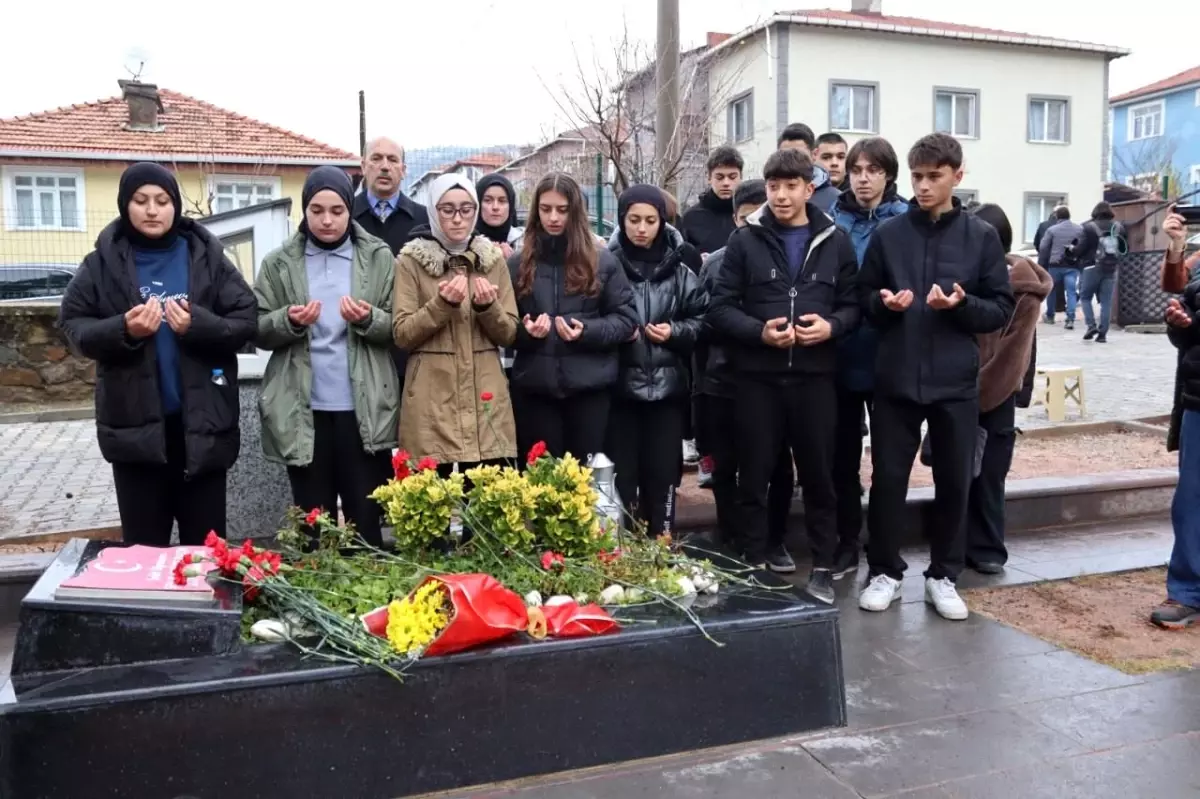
884, 762
1121, 716
1167, 769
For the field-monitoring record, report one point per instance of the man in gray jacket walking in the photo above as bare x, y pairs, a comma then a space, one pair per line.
1059, 254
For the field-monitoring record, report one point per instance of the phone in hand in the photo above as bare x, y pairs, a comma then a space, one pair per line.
1190, 213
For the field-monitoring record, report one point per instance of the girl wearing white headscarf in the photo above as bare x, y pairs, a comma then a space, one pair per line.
453, 307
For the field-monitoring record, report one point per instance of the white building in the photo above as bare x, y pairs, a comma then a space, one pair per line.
1031, 111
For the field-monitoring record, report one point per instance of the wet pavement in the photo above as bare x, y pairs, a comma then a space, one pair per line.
956, 710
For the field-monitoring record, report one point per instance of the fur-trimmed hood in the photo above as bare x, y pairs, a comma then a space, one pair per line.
482, 255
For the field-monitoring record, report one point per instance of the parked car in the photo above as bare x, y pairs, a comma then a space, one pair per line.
27, 282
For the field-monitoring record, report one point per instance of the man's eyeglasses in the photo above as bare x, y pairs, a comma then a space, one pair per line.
450, 211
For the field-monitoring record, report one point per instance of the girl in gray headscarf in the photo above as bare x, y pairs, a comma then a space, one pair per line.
453, 307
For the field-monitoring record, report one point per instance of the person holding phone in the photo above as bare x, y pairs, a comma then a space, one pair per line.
784, 297
1182, 606
575, 308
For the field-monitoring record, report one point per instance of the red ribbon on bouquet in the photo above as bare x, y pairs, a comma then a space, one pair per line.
484, 611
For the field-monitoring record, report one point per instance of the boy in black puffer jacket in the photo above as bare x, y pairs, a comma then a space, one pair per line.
932, 280
785, 294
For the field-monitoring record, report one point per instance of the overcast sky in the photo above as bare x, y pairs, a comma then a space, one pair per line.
447, 71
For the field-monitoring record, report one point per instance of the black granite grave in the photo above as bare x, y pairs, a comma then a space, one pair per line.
196, 717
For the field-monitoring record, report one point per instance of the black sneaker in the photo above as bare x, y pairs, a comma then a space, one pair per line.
820, 586
779, 560
1090, 334
1172, 615
845, 563
987, 567
1069, 325
1102, 338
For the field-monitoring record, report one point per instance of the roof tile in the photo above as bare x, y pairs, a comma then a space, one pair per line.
1166, 84
189, 127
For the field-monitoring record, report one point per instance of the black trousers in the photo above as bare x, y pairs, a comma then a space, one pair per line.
985, 509
895, 440
847, 466
152, 497
575, 424
799, 416
779, 496
643, 442
341, 469
716, 419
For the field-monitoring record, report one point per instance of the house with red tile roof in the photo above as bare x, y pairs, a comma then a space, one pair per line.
1029, 110
1156, 134
59, 169
473, 167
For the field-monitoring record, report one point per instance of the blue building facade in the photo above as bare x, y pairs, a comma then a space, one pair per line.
1155, 133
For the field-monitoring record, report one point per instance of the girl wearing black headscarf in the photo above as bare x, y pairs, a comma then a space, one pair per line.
331, 400
650, 409
498, 213
163, 313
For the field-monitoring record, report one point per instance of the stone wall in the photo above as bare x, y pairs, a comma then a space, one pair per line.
36, 364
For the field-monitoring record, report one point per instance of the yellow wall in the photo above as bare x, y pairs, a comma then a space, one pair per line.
100, 208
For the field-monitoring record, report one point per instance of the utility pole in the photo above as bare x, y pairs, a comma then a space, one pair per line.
667, 87
362, 123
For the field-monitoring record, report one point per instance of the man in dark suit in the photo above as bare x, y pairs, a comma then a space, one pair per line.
381, 208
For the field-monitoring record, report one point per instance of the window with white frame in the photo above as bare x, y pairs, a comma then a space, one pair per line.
853, 107
231, 192
1146, 120
1037, 211
1048, 120
956, 111
741, 118
44, 199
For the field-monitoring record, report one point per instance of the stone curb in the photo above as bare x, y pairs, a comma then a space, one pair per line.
50, 415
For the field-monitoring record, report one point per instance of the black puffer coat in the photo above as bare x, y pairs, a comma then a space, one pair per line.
129, 417
713, 376
556, 368
672, 293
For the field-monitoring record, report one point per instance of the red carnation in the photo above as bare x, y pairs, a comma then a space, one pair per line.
248, 548
486, 396
313, 515
551, 559
179, 577
536, 451
426, 464
212, 540
400, 464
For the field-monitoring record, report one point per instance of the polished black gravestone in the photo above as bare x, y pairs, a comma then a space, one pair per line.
262, 721
72, 634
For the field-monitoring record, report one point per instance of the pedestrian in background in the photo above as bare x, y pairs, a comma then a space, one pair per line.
330, 397
576, 309
452, 309
650, 407
1105, 241
163, 313
1059, 253
798, 136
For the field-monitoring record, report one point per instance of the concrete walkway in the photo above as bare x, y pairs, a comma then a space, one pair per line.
956, 710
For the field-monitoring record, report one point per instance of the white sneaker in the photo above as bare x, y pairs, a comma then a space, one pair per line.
879, 594
691, 455
945, 599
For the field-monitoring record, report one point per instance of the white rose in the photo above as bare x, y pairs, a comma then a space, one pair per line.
559, 599
533, 599
612, 595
